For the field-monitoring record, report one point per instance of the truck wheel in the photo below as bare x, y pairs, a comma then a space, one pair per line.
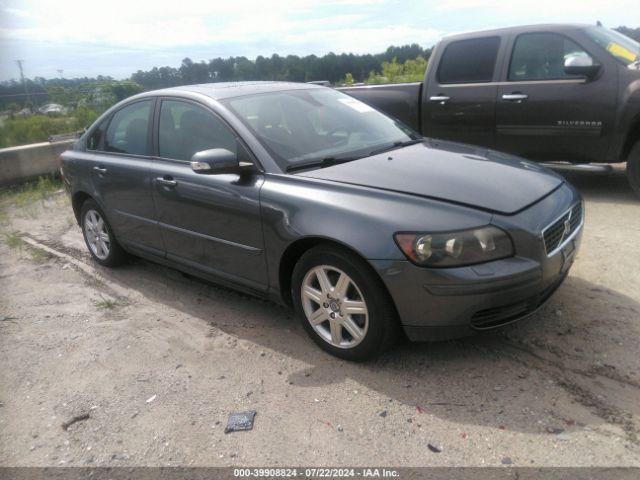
99, 237
633, 168
342, 304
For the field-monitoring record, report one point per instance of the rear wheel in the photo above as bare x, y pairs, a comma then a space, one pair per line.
99, 237
633, 168
342, 304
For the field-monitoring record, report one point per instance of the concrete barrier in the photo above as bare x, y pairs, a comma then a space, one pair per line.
18, 164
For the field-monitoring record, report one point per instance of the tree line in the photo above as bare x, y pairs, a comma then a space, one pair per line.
330, 67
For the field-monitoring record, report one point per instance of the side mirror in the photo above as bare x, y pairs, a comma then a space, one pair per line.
581, 65
216, 160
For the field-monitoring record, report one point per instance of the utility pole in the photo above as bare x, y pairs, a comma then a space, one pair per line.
60, 71
24, 84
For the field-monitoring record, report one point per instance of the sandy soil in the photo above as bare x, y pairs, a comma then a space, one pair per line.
159, 361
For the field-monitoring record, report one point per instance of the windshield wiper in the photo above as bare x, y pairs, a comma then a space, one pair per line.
323, 163
396, 145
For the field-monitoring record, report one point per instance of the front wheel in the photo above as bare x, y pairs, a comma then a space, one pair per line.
342, 304
99, 237
633, 168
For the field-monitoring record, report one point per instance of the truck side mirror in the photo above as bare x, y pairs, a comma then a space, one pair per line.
581, 65
215, 161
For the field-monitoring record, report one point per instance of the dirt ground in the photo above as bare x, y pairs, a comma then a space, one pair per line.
158, 361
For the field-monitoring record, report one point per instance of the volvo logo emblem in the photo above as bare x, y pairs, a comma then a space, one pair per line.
567, 228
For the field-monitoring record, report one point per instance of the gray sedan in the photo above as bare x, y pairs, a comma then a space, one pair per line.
309, 197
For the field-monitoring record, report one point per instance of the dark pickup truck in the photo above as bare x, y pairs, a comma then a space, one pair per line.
550, 93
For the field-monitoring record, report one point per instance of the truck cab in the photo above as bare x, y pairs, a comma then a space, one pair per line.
550, 93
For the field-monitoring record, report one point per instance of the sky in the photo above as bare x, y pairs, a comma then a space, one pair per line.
119, 37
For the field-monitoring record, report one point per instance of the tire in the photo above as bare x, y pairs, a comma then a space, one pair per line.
633, 168
106, 252
377, 329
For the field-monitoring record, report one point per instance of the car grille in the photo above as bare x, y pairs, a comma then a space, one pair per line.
559, 232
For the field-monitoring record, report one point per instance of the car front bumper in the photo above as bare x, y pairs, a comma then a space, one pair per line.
438, 304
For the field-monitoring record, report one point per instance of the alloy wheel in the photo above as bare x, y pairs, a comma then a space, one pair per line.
97, 235
334, 306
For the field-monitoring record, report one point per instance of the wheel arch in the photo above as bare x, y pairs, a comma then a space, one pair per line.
633, 136
77, 200
296, 249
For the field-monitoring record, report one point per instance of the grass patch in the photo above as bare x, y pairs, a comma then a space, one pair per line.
13, 240
37, 255
31, 192
106, 303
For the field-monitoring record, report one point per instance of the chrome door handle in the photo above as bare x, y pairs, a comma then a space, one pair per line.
100, 170
166, 182
514, 97
439, 98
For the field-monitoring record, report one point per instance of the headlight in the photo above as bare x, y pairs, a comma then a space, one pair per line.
455, 249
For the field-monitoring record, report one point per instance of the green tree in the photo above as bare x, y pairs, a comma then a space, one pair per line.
394, 72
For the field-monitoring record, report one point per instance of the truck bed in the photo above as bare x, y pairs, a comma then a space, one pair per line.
400, 100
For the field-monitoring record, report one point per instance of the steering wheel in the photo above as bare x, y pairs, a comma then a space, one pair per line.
340, 140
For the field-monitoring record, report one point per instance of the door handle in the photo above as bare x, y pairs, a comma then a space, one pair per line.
167, 182
439, 98
100, 170
515, 97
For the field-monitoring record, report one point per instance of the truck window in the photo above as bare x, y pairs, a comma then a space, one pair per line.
469, 61
541, 56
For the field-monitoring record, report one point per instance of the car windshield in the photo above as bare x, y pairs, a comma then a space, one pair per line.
621, 47
300, 127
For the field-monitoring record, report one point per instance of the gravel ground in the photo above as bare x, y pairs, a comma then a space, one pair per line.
159, 360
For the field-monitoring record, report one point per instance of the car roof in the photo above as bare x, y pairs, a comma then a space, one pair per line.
551, 27
222, 90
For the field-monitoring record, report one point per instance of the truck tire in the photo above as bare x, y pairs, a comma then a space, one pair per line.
633, 168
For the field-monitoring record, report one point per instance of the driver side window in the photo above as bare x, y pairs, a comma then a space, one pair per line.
541, 56
186, 128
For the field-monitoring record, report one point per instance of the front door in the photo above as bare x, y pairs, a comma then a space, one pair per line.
544, 114
118, 154
209, 222
460, 96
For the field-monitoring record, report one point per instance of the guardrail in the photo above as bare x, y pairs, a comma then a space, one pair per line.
19, 164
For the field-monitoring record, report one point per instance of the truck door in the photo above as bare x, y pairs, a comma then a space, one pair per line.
543, 113
460, 95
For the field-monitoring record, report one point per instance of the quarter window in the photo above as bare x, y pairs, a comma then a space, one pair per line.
128, 130
541, 56
95, 139
469, 61
186, 129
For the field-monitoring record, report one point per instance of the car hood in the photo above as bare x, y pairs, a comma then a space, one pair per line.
457, 173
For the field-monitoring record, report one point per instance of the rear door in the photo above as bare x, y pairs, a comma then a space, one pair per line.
119, 161
460, 95
209, 222
545, 114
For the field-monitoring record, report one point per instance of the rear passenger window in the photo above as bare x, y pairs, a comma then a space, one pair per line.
186, 129
541, 56
128, 129
469, 61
